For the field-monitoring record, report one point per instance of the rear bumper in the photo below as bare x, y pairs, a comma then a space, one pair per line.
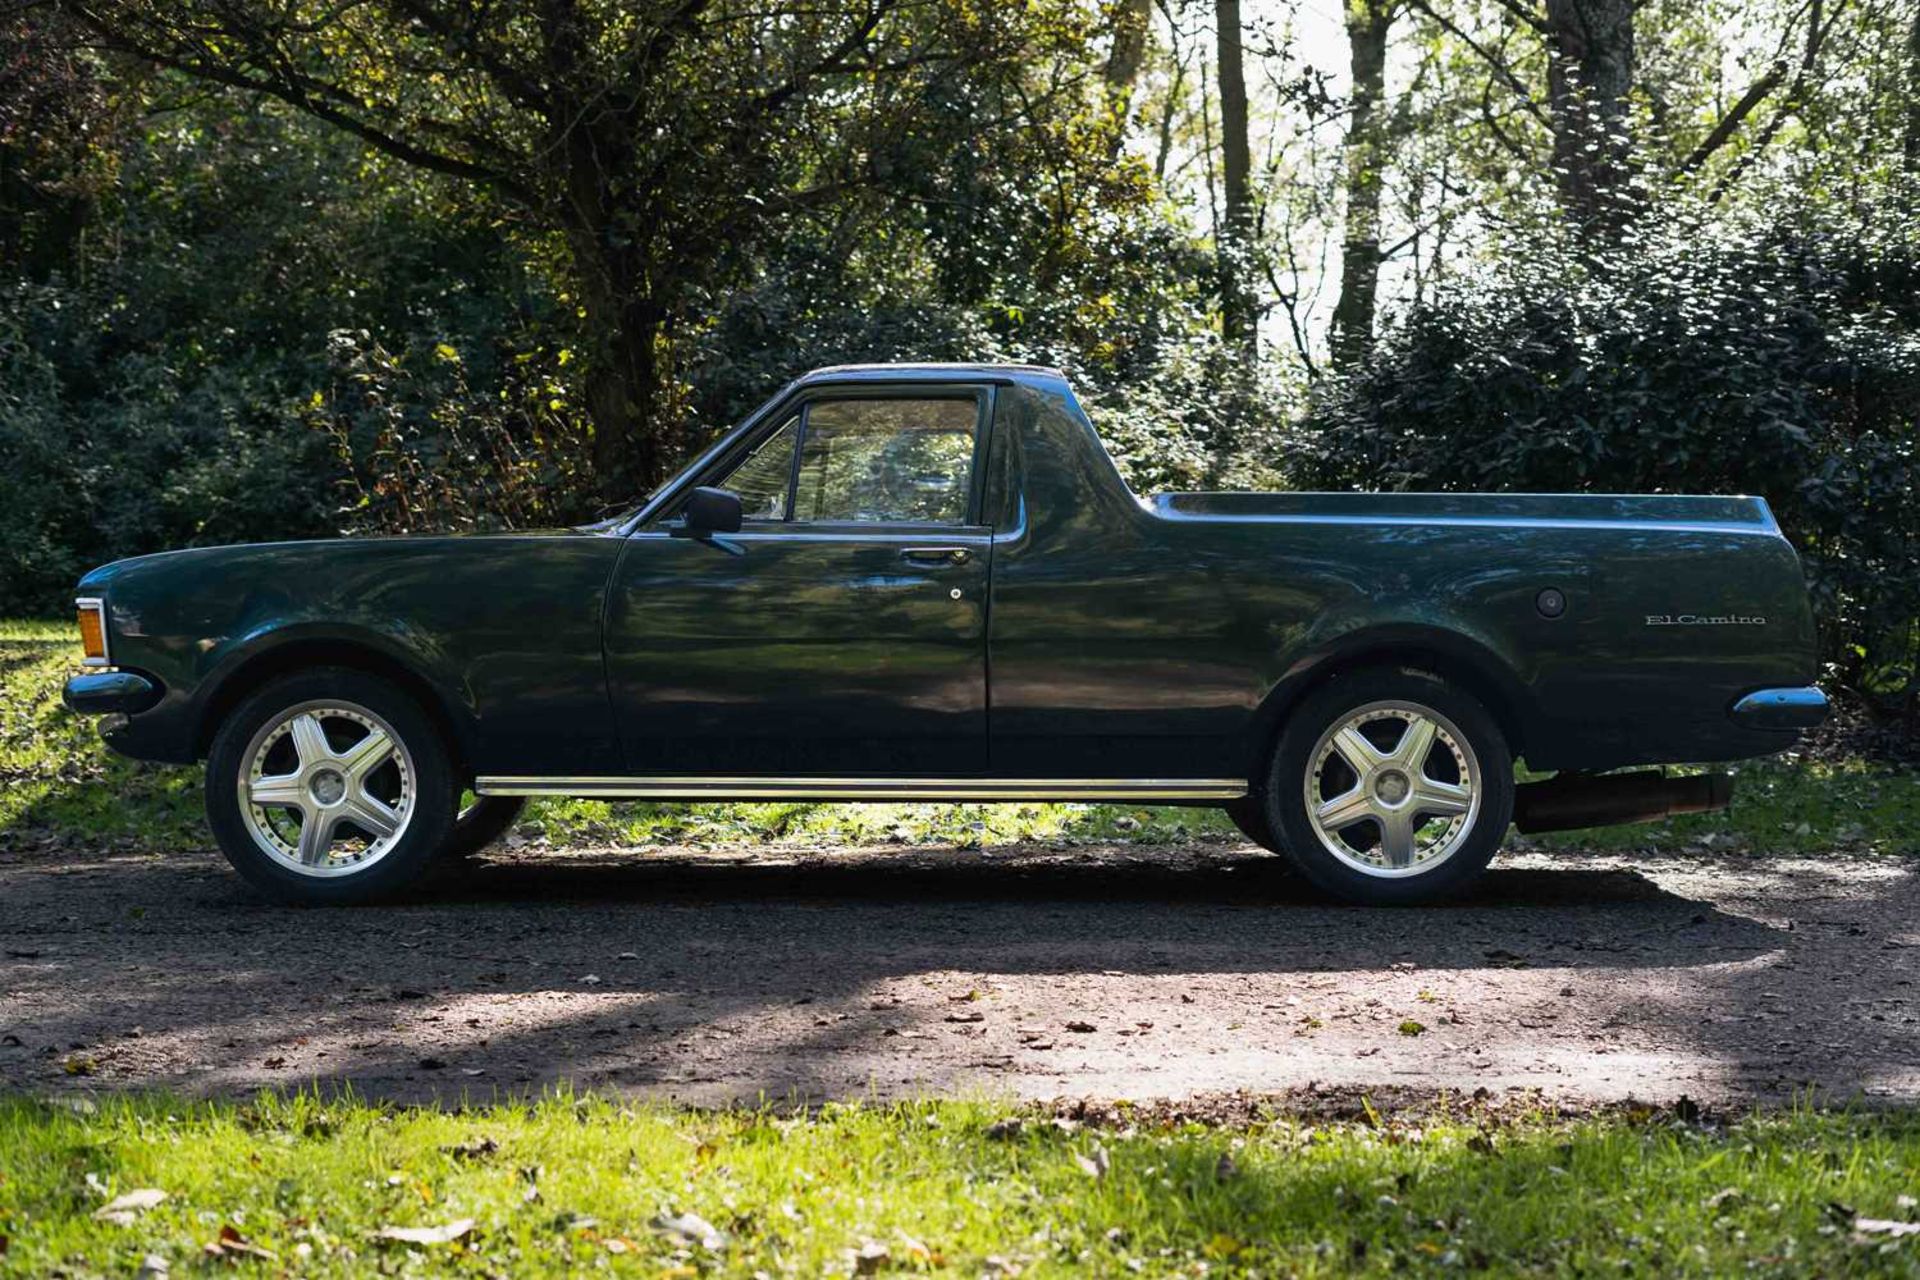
110, 693
1780, 709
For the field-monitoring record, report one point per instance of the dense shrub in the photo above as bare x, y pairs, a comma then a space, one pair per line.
1699, 355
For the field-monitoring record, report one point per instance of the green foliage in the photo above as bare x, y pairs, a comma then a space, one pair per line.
568, 1186
168, 393
1704, 354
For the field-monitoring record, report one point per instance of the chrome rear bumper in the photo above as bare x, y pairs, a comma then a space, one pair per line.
1781, 709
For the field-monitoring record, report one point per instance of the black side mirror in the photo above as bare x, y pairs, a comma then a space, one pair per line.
711, 511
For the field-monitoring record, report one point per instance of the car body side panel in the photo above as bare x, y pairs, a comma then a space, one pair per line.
1134, 637
505, 630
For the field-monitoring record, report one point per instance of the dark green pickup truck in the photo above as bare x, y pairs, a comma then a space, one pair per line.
925, 582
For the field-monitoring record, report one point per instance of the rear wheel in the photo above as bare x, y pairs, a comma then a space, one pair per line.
1249, 814
1391, 787
329, 786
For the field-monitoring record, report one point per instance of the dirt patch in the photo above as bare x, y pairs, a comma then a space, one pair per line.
1197, 973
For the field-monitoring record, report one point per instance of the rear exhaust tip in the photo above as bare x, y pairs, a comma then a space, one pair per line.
1572, 800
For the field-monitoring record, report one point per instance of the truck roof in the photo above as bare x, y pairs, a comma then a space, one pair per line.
930, 371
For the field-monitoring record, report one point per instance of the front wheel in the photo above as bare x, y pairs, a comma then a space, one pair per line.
329, 786
1391, 787
480, 824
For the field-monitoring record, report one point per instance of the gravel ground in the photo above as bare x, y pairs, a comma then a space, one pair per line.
1084, 973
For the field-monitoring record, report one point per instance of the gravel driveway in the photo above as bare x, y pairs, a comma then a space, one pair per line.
1105, 973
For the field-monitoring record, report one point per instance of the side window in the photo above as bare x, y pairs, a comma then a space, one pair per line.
763, 476
887, 460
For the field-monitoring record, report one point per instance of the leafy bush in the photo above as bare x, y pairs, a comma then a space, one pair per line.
1702, 354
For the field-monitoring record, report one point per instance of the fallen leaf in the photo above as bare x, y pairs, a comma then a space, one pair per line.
1095, 1165
1886, 1227
232, 1244
1222, 1246
477, 1149
124, 1209
690, 1228
426, 1235
920, 1253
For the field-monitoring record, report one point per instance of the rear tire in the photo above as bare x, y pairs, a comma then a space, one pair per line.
1249, 814
329, 786
1390, 787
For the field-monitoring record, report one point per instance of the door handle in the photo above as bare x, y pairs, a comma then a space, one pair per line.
936, 555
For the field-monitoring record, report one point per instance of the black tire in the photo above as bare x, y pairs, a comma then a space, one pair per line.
1249, 814
422, 775
479, 825
1459, 845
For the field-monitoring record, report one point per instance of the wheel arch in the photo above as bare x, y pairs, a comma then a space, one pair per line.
282, 653
1455, 658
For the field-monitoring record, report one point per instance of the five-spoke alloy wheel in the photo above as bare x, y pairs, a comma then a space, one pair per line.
1390, 787
329, 786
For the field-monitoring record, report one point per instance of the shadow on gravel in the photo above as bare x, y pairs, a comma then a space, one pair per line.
1000, 877
663, 970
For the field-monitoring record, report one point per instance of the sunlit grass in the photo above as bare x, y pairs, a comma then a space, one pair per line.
570, 1186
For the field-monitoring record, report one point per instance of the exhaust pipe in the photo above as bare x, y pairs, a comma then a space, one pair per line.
1571, 800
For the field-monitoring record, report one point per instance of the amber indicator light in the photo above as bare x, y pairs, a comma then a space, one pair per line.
93, 634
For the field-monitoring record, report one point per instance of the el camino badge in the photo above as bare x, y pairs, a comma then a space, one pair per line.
1704, 620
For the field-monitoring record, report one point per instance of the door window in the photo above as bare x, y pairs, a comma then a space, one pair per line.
900, 461
764, 478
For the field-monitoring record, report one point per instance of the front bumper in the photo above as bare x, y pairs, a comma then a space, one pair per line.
110, 693
1781, 709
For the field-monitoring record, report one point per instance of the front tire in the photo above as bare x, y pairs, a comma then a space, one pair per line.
480, 824
329, 786
1391, 787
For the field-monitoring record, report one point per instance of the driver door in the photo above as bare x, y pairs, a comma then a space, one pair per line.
842, 631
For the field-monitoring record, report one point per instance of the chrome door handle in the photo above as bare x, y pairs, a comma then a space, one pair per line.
936, 555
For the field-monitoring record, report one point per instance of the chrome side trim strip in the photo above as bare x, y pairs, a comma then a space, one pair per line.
723, 788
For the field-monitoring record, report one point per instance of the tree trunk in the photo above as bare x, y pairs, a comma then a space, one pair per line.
1589, 75
1237, 318
1131, 22
1367, 24
1911, 142
625, 322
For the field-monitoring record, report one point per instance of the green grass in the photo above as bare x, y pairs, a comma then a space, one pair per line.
58, 783
567, 1186
1783, 807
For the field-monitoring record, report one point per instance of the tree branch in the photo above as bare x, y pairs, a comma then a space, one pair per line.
1487, 56
1752, 98
314, 97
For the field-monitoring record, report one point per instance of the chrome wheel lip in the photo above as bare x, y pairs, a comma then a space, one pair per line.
1368, 804
324, 786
